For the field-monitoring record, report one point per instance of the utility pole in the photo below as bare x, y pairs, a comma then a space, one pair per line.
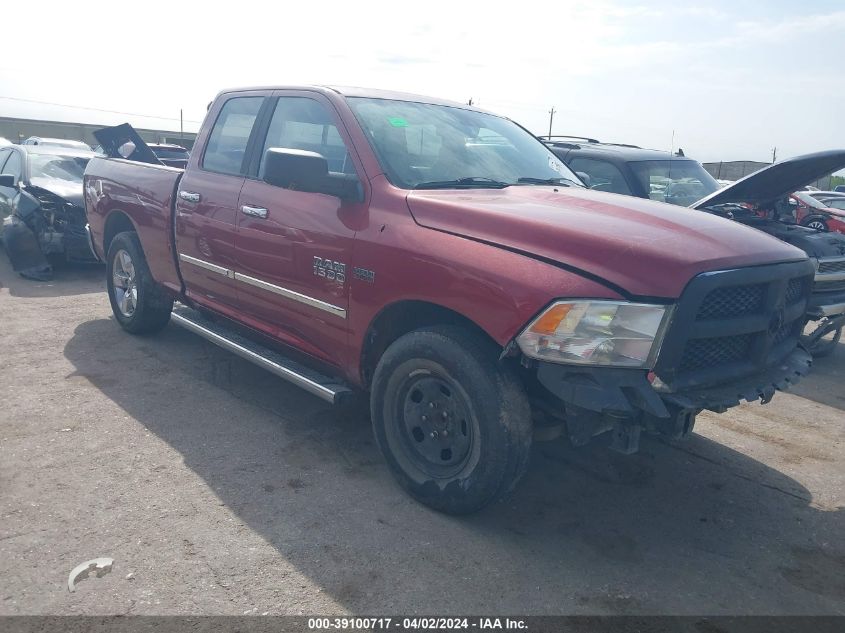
181, 126
551, 119
774, 154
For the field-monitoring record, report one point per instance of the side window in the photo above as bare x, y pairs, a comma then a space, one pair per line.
303, 123
604, 176
226, 145
14, 165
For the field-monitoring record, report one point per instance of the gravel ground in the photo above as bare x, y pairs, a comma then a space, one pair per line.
219, 489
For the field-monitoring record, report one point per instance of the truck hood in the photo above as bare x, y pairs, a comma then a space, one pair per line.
778, 180
640, 247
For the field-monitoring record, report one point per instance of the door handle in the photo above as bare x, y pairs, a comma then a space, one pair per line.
256, 212
189, 196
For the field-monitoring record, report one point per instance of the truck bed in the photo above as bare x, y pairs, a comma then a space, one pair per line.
117, 190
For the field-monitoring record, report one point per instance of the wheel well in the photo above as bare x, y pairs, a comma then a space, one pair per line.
400, 318
117, 222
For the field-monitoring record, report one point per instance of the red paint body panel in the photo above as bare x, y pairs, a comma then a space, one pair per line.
621, 239
421, 246
145, 194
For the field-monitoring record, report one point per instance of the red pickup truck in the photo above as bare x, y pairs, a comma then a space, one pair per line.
443, 259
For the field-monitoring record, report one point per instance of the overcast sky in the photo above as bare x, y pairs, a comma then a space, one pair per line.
732, 79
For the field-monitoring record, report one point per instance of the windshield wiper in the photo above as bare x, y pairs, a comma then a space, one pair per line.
469, 183
528, 180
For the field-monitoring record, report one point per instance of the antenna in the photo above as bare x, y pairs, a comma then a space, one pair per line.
551, 118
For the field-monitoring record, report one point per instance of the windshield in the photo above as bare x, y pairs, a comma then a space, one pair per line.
68, 168
421, 145
680, 182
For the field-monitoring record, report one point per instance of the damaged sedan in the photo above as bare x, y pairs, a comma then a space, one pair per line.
43, 216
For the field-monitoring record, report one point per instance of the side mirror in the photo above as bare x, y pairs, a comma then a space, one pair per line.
585, 177
8, 180
301, 170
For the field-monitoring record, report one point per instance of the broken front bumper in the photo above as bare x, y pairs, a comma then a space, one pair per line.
595, 400
628, 392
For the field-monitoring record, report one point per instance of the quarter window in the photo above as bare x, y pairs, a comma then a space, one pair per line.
227, 142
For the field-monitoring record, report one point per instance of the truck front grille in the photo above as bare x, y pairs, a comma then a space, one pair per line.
830, 276
734, 323
835, 265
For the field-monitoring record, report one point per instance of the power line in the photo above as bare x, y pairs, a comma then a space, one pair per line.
65, 105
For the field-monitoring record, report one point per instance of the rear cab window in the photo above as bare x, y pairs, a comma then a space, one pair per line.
227, 143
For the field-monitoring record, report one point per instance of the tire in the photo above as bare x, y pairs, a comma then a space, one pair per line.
453, 423
138, 303
815, 222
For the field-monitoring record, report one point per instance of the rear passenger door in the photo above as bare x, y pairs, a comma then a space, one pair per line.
294, 247
207, 200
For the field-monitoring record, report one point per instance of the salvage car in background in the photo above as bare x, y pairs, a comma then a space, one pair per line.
57, 142
769, 199
635, 171
43, 216
816, 214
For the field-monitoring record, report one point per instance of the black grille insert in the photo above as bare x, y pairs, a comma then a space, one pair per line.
707, 352
795, 291
734, 301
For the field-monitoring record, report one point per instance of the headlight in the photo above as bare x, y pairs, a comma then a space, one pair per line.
588, 332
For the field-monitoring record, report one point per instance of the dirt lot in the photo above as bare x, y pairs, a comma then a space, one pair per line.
219, 489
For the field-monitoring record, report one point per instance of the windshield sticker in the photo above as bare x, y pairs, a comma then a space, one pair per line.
556, 165
397, 121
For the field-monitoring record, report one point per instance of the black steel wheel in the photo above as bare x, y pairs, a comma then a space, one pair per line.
452, 421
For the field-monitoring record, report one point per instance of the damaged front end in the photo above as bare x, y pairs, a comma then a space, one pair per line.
46, 220
43, 228
733, 337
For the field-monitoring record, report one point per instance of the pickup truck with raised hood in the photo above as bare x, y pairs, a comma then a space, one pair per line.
444, 260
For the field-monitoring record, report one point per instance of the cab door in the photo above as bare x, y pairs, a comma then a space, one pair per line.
207, 201
293, 248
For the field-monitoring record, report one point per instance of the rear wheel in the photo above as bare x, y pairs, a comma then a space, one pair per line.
453, 423
138, 303
815, 222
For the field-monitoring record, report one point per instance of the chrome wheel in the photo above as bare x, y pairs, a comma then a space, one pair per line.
124, 283
817, 224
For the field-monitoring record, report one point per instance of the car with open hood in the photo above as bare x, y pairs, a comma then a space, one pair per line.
443, 260
770, 199
41, 207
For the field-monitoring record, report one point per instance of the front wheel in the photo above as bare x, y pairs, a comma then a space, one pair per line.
815, 222
453, 423
138, 304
